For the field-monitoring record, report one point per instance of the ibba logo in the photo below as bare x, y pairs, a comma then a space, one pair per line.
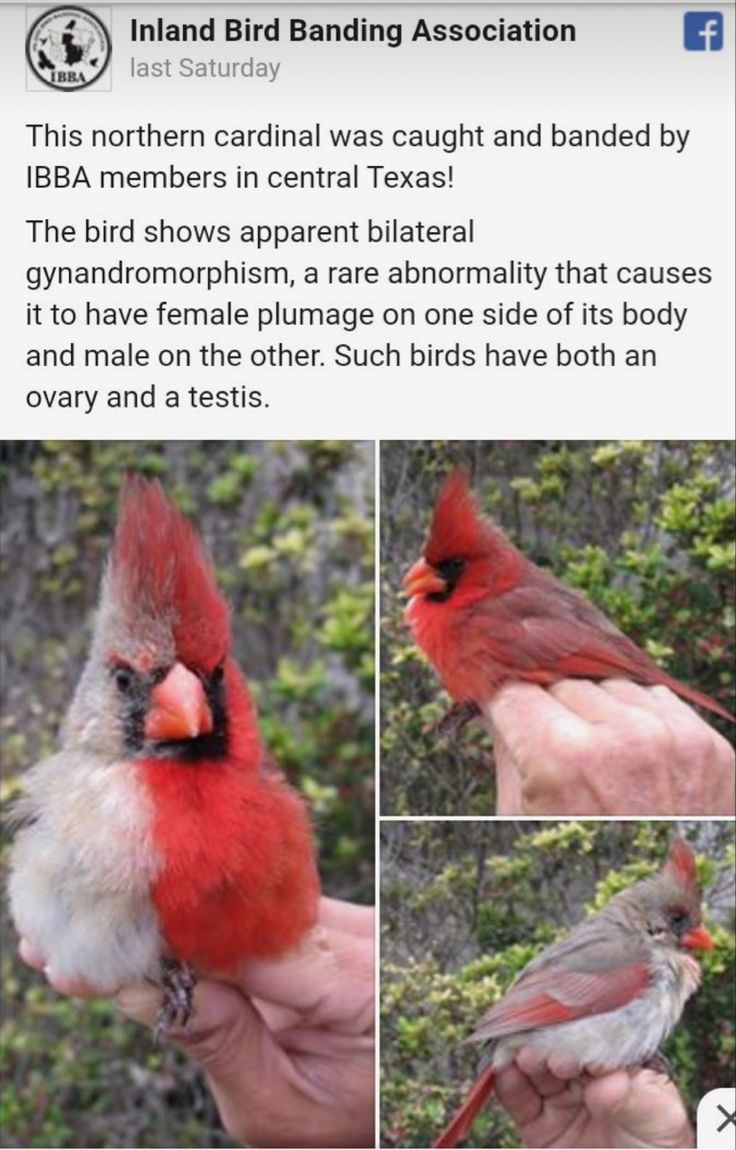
68, 48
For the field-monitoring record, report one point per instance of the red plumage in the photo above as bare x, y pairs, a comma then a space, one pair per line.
485, 615
160, 570
478, 1095
238, 878
680, 866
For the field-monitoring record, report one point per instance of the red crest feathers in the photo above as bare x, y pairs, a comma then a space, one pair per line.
458, 528
160, 569
680, 865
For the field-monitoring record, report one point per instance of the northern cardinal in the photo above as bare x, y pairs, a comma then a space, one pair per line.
609, 993
159, 843
485, 615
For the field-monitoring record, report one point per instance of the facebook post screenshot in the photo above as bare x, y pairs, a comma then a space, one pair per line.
367, 565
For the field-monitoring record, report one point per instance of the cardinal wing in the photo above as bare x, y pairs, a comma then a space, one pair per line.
556, 994
574, 649
543, 627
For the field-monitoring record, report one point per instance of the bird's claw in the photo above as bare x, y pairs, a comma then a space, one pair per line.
458, 717
660, 1064
178, 982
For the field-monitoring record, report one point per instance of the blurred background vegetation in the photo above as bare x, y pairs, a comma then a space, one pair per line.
466, 905
644, 529
290, 529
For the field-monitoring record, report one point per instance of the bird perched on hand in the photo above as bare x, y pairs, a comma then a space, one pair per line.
159, 843
485, 615
608, 994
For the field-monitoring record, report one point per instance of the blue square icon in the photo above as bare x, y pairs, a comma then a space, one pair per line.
703, 31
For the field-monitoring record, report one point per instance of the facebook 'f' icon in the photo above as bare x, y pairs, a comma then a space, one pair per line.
703, 31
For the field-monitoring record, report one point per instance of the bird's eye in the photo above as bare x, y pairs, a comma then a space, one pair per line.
123, 677
218, 674
678, 919
450, 569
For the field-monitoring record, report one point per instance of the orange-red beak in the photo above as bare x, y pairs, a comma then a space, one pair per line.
421, 579
179, 708
698, 939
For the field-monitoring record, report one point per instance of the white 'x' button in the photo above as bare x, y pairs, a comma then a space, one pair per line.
717, 1120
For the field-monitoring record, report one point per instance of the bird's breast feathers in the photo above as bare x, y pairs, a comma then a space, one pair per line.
82, 870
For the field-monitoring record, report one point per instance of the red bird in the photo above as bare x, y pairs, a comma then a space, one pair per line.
158, 843
608, 994
484, 615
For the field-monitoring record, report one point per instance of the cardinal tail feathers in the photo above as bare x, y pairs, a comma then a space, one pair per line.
460, 1125
698, 698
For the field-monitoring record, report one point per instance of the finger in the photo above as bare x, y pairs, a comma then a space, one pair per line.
324, 1043
347, 916
252, 1079
509, 794
222, 1019
647, 1109
607, 1093
328, 979
649, 698
30, 956
681, 718
72, 988
659, 700
551, 747
527, 716
535, 1065
590, 701
655, 697
700, 762
517, 1094
564, 1065
246, 1069
141, 1002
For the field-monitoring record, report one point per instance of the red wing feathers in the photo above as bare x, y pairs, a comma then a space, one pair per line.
540, 650
521, 635
555, 995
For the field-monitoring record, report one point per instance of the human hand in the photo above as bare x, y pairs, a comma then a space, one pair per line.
610, 748
287, 1048
552, 1104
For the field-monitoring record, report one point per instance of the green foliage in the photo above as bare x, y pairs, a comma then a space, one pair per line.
645, 529
76, 1074
227, 488
466, 906
290, 529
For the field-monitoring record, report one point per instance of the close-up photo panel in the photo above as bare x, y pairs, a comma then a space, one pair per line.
188, 773
367, 575
557, 628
